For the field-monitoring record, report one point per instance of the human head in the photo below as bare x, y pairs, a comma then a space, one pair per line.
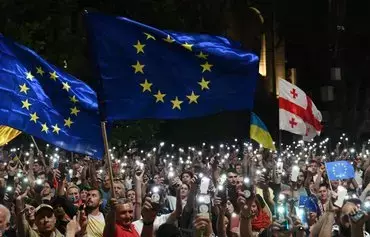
184, 190
323, 192
232, 177
131, 195
4, 218
254, 208
158, 179
186, 177
106, 183
46, 190
94, 199
301, 178
45, 219
229, 207
314, 166
124, 212
73, 193
37, 167
119, 189
239, 169
83, 194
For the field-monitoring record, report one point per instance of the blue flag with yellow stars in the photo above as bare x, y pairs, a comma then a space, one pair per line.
150, 73
340, 170
44, 101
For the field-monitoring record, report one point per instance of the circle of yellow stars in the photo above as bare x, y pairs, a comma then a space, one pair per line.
343, 172
34, 117
159, 96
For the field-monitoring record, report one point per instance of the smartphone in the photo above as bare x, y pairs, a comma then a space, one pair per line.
203, 204
155, 194
295, 173
281, 214
356, 217
63, 170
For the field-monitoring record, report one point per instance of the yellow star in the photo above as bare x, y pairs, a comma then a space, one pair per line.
204, 84
176, 103
73, 99
74, 111
206, 67
169, 39
146, 86
149, 36
139, 47
193, 98
68, 122
138, 67
29, 76
44, 128
188, 46
40, 71
34, 117
24, 88
26, 104
159, 97
56, 129
202, 55
66, 86
53, 75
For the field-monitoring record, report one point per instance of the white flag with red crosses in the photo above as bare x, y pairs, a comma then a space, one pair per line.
297, 113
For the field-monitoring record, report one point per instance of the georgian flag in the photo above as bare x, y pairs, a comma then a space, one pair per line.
297, 113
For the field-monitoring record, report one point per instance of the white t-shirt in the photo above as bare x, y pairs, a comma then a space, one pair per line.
159, 220
95, 225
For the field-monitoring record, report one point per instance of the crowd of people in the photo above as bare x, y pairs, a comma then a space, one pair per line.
229, 189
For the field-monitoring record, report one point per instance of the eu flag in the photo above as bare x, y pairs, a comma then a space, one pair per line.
44, 101
150, 73
339, 170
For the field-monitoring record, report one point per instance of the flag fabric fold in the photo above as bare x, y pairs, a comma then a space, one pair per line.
151, 73
340, 170
46, 102
297, 113
7, 134
259, 133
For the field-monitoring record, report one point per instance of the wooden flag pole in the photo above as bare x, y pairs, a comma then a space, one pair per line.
107, 153
34, 142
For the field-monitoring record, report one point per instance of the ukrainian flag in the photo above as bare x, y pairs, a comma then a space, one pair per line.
259, 133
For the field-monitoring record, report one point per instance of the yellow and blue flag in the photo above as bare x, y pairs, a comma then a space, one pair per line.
151, 73
340, 170
259, 133
44, 101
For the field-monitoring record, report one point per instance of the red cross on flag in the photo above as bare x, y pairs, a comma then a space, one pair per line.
297, 113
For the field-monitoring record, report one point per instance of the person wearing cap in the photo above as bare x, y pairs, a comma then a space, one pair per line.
45, 220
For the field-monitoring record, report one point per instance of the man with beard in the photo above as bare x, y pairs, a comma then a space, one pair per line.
95, 219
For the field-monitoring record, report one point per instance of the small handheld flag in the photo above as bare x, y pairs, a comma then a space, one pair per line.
340, 170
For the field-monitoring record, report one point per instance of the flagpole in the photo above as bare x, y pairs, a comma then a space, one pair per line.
34, 142
107, 153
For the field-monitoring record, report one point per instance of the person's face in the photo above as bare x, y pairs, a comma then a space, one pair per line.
93, 199
76, 167
45, 220
229, 207
131, 196
239, 169
83, 195
158, 179
232, 178
119, 190
4, 225
334, 184
185, 178
300, 177
314, 167
254, 208
106, 183
46, 190
36, 168
30, 213
323, 191
184, 191
124, 214
73, 194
